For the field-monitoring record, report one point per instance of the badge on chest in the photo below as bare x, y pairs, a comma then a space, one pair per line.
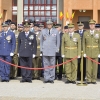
8, 38
30, 43
31, 37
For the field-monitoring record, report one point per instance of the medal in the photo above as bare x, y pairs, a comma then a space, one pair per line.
30, 43
16, 36
8, 38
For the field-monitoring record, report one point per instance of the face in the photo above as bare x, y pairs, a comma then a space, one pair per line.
41, 28
32, 25
20, 29
98, 29
49, 26
12, 26
80, 27
92, 26
36, 28
71, 30
59, 28
5, 28
65, 30
26, 29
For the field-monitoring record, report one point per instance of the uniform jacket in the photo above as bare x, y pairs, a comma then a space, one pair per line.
91, 44
81, 38
7, 43
71, 47
38, 44
59, 53
27, 46
16, 35
49, 44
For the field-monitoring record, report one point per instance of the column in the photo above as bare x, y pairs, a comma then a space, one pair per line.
95, 10
19, 11
0, 13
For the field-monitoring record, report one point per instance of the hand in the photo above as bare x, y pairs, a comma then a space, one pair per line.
99, 56
11, 54
63, 56
34, 56
57, 51
40, 54
79, 57
84, 55
18, 54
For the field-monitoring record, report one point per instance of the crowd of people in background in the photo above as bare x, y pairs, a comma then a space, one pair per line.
33, 45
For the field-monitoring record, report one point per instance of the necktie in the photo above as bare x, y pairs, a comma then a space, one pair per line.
26, 35
91, 33
70, 35
80, 33
4, 34
49, 32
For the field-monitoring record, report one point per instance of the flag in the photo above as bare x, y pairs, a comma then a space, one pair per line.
61, 15
0, 15
72, 15
67, 15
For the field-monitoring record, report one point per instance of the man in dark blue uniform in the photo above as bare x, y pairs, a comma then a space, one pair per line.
59, 58
27, 47
7, 48
81, 32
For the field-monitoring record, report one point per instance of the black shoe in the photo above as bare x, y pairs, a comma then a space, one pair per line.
29, 81
2, 80
46, 82
73, 82
59, 78
12, 77
6, 80
88, 82
22, 81
38, 78
51, 81
67, 82
94, 83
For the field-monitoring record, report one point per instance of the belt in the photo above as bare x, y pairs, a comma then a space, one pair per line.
71, 47
38, 46
92, 46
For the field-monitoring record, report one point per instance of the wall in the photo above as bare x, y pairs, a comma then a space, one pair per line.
92, 5
6, 9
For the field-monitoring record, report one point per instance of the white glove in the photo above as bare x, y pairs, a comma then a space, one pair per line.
84, 55
18, 54
33, 56
11, 54
40, 54
99, 56
63, 56
79, 57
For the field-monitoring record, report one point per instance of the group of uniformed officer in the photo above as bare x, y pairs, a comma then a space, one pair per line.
32, 45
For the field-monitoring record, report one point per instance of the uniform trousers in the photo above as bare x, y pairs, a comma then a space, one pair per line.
59, 60
13, 72
5, 68
91, 70
71, 69
49, 74
26, 62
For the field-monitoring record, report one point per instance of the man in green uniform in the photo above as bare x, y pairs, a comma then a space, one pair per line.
37, 59
71, 47
13, 73
91, 48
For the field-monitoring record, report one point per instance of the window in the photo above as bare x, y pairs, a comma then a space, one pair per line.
40, 10
14, 11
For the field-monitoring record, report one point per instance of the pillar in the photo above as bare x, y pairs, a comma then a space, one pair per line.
19, 11
95, 10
